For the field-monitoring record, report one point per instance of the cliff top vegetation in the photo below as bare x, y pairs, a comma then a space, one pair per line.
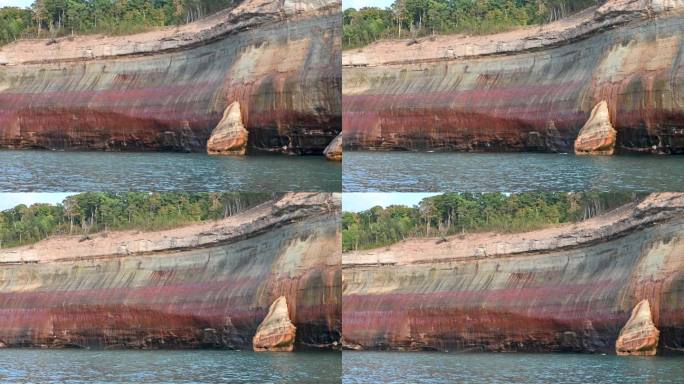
92, 212
55, 18
455, 213
418, 18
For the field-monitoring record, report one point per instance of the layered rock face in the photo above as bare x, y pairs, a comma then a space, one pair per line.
639, 336
565, 288
204, 285
276, 333
168, 89
526, 90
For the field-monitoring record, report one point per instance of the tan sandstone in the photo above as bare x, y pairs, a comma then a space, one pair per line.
230, 136
334, 150
597, 136
276, 333
639, 336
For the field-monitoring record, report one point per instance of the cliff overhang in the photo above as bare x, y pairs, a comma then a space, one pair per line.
524, 90
567, 288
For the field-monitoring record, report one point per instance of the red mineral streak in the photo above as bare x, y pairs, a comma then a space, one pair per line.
566, 288
167, 90
529, 90
213, 294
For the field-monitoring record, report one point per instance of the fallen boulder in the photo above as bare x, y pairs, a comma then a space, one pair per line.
230, 136
276, 333
597, 136
334, 150
639, 337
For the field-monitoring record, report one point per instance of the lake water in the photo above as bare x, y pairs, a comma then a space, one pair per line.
54, 171
192, 366
508, 172
390, 367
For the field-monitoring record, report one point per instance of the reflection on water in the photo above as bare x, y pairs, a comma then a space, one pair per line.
389, 367
509, 172
192, 366
53, 171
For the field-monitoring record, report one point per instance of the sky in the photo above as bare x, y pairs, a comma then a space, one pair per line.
16, 3
11, 200
356, 202
359, 3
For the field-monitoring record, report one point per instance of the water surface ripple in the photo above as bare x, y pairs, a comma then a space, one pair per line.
508, 172
192, 366
406, 367
54, 171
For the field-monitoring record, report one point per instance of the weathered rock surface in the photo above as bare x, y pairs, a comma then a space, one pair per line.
639, 336
204, 285
276, 333
230, 136
525, 90
168, 89
597, 136
334, 150
564, 288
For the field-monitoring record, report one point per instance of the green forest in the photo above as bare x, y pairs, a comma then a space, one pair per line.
417, 18
91, 212
455, 213
54, 18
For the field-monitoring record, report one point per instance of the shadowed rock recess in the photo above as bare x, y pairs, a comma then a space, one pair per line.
565, 288
206, 285
526, 90
168, 89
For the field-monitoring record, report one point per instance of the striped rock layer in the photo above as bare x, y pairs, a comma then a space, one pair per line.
566, 288
206, 285
526, 90
168, 89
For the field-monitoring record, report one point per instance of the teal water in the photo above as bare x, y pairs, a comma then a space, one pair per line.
193, 366
54, 171
508, 172
389, 367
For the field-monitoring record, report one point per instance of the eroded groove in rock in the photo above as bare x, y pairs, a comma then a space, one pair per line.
168, 89
565, 288
276, 333
526, 90
639, 336
205, 285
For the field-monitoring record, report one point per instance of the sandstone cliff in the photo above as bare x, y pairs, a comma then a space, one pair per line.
204, 285
168, 89
525, 90
565, 288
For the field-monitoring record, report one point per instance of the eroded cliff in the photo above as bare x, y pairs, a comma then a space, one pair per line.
565, 288
168, 89
204, 285
525, 90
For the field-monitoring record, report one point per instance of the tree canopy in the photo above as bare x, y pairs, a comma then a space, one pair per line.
454, 213
416, 18
92, 212
53, 18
